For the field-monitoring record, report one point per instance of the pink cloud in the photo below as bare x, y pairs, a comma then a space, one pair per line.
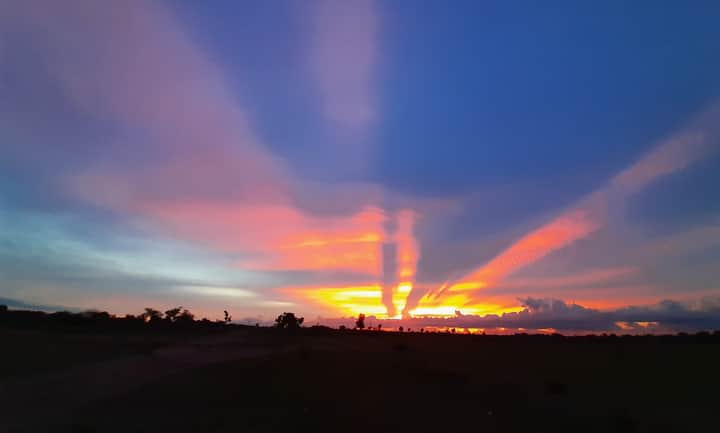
276, 236
574, 280
343, 54
673, 154
198, 170
132, 64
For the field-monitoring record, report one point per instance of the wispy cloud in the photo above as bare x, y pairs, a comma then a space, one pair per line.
591, 213
186, 162
277, 237
232, 292
585, 278
677, 244
343, 56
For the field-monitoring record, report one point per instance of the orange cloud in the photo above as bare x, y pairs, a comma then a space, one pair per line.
408, 254
277, 236
532, 247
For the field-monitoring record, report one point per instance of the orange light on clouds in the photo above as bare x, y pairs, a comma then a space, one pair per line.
562, 231
408, 250
453, 303
408, 254
350, 301
317, 240
646, 324
669, 156
278, 237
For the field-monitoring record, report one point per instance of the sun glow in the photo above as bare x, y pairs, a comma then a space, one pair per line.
351, 300
456, 303
368, 299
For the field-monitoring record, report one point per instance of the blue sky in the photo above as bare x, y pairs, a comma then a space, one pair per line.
341, 157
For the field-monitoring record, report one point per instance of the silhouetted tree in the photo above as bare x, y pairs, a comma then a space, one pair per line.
379, 326
172, 314
228, 318
151, 315
360, 322
185, 317
400, 329
288, 321
342, 327
96, 316
422, 330
3, 308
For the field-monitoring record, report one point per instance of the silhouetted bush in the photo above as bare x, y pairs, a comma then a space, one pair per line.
185, 317
97, 316
288, 321
172, 314
360, 322
151, 315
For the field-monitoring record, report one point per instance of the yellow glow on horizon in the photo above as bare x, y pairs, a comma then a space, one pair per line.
400, 297
404, 287
440, 311
646, 324
448, 307
351, 300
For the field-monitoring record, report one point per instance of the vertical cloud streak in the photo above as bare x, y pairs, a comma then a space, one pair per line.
343, 54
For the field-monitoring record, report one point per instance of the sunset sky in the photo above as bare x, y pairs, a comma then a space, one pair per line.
432, 160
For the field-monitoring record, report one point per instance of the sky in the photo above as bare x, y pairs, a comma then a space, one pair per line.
481, 165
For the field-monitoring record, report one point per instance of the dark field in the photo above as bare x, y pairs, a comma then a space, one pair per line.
238, 379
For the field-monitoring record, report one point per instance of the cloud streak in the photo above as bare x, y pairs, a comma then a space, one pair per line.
343, 56
591, 213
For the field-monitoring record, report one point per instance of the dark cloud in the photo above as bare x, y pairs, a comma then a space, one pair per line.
543, 313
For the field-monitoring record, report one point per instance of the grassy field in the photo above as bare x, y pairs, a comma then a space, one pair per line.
263, 380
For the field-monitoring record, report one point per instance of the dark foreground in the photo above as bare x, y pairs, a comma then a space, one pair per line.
235, 379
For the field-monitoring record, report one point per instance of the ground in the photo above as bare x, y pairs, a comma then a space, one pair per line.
266, 380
